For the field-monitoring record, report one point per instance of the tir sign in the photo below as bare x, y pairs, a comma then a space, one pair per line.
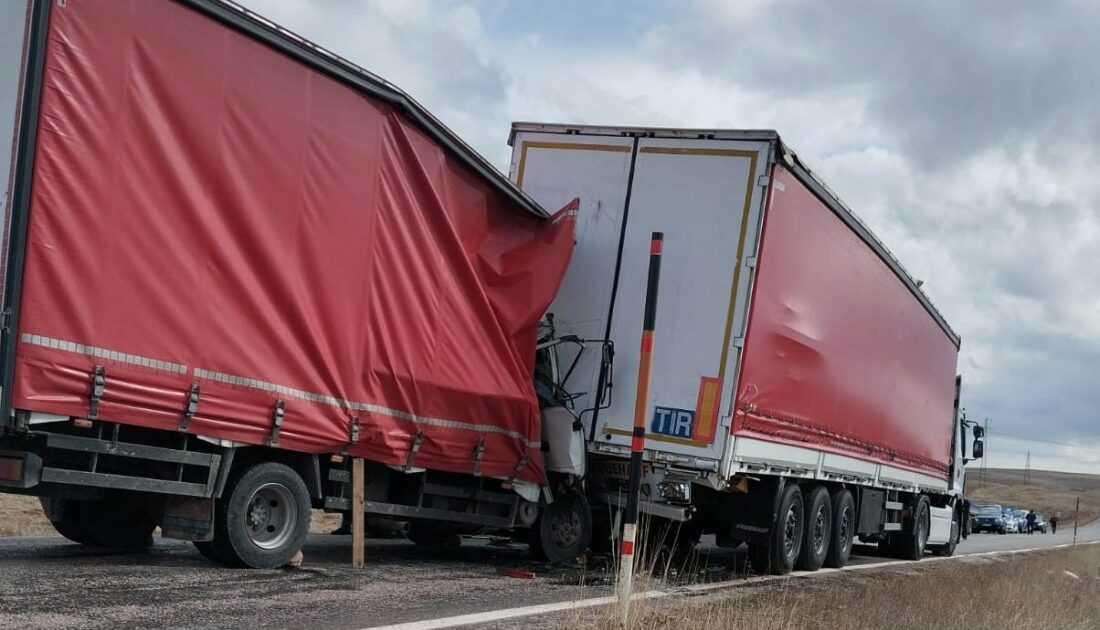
673, 422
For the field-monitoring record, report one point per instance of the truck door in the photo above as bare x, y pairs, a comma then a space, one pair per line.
704, 195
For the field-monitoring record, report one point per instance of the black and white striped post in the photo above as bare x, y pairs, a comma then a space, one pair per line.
637, 443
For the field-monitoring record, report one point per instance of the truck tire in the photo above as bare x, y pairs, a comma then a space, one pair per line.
817, 530
68, 523
844, 527
262, 519
210, 551
781, 552
564, 528
911, 545
434, 535
114, 522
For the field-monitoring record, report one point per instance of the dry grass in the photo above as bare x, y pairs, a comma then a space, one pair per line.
1054, 589
1048, 492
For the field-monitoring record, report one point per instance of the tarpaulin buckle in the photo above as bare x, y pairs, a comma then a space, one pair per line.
413, 449
479, 452
353, 433
520, 465
192, 407
277, 422
99, 383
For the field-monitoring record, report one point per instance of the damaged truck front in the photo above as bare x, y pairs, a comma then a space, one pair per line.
235, 261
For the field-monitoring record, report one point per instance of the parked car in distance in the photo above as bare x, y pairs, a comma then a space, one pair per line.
989, 518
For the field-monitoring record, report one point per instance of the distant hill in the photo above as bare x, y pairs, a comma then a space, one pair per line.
1048, 491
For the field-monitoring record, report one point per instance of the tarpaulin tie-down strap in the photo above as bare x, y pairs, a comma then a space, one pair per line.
479, 452
99, 384
192, 407
277, 417
414, 448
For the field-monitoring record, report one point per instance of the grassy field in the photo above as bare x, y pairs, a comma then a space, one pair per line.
1053, 589
1048, 492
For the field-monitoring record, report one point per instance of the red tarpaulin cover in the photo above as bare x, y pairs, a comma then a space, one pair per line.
207, 210
839, 354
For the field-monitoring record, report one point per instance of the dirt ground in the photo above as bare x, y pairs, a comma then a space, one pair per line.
22, 516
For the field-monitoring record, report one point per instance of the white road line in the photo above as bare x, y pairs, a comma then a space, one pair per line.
490, 616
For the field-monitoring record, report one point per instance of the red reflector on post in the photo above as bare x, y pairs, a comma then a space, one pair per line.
11, 469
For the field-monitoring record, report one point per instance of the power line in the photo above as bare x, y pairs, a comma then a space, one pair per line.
1091, 449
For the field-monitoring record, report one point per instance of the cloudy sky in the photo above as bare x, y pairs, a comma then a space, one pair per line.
967, 138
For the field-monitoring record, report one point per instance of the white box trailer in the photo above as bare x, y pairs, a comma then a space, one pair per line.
792, 354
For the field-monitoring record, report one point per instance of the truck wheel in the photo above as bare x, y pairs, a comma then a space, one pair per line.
912, 544
433, 535
262, 519
564, 528
785, 543
68, 523
210, 551
817, 531
844, 527
115, 522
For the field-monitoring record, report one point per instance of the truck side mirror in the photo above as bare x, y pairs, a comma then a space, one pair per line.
979, 432
979, 449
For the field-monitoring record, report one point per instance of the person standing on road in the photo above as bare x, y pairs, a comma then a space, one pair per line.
1054, 524
1031, 521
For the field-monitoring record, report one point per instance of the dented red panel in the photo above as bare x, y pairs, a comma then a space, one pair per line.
839, 355
209, 211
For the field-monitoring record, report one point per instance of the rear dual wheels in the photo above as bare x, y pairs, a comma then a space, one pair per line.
814, 528
262, 518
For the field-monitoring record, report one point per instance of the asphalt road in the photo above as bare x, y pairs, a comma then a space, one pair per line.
50, 583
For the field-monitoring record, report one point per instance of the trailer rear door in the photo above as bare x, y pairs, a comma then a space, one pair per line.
704, 195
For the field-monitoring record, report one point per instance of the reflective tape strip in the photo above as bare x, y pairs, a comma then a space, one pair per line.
102, 353
294, 392
274, 388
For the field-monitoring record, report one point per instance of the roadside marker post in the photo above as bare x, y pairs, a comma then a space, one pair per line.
1076, 512
357, 516
637, 442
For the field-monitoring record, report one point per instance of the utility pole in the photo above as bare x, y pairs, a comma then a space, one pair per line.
1027, 470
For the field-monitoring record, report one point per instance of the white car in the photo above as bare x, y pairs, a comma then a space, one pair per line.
1012, 524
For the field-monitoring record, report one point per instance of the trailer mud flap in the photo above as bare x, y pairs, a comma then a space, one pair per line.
752, 514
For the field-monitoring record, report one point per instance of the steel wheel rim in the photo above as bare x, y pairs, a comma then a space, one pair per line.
271, 517
820, 525
565, 528
922, 530
792, 528
844, 527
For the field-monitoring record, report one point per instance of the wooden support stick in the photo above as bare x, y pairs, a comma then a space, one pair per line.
357, 516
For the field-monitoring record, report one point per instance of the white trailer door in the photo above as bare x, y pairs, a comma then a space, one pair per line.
704, 195
553, 169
